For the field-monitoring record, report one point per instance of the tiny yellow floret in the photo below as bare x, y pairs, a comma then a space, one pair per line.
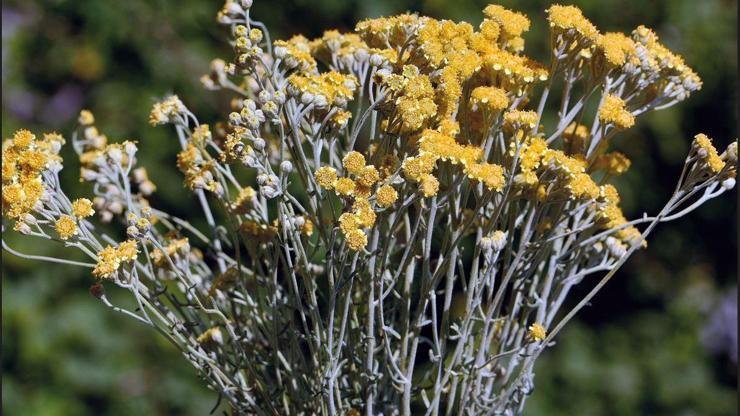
537, 332
66, 227
82, 208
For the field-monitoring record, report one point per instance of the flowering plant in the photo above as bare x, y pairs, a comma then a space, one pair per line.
390, 226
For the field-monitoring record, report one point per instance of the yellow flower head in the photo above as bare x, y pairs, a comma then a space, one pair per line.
708, 153
211, 335
66, 227
22, 139
244, 200
82, 208
429, 185
368, 176
610, 194
569, 20
613, 111
613, 163
615, 47
364, 213
86, 118
491, 175
336, 88
414, 168
296, 52
108, 263
531, 154
356, 239
517, 119
386, 196
575, 137
582, 186
344, 186
391, 31
412, 95
326, 176
307, 228
511, 23
127, 251
489, 98
347, 222
537, 332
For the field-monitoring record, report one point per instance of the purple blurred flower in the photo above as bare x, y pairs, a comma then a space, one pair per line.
63, 105
719, 335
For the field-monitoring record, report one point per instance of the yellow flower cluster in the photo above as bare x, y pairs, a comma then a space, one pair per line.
447, 149
511, 26
491, 175
244, 200
517, 119
359, 190
166, 111
351, 224
708, 154
450, 55
575, 138
489, 99
613, 163
296, 52
198, 173
176, 246
110, 258
354, 162
616, 48
572, 173
434, 146
386, 196
440, 40
261, 232
326, 177
531, 154
211, 335
23, 159
333, 43
570, 22
417, 167
610, 216
337, 89
389, 32
661, 59
511, 72
613, 111
411, 95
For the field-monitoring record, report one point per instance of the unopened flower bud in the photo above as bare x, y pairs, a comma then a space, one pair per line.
116, 207
728, 183
132, 232
115, 155
22, 228
263, 179
286, 166
259, 143
130, 148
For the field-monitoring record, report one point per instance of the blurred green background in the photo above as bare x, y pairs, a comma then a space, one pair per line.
661, 339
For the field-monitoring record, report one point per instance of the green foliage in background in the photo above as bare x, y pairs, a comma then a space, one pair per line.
635, 351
